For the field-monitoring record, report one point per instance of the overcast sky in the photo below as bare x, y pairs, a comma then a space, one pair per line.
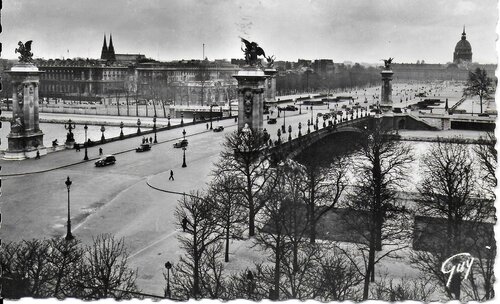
342, 30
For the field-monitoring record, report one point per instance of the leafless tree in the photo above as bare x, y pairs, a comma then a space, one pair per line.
380, 171
449, 191
230, 214
196, 215
104, 272
487, 156
416, 289
479, 84
245, 159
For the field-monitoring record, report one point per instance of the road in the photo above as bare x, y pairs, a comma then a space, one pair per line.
132, 199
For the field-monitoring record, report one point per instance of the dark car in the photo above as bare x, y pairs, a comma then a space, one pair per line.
271, 121
181, 143
291, 108
143, 148
107, 160
219, 129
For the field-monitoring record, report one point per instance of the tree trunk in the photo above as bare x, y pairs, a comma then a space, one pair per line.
226, 256
369, 271
128, 110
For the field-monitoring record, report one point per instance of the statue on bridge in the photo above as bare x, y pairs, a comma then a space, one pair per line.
25, 51
270, 61
387, 63
252, 51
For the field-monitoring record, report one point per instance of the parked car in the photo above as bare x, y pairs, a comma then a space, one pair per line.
181, 143
271, 121
291, 108
143, 148
107, 160
319, 114
219, 129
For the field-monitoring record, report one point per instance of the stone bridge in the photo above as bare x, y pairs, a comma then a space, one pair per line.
292, 148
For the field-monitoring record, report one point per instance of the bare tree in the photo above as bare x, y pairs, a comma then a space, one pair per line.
487, 156
449, 192
479, 84
245, 158
195, 214
419, 289
230, 214
381, 170
104, 272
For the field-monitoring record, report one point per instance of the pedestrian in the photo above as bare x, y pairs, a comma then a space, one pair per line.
143, 139
37, 154
150, 140
77, 147
207, 126
184, 224
171, 175
100, 151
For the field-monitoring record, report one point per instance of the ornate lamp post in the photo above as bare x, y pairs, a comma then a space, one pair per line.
279, 110
168, 120
182, 119
308, 126
121, 129
317, 120
279, 136
86, 157
283, 127
184, 157
211, 116
184, 134
300, 127
138, 126
300, 108
312, 118
289, 133
69, 236
102, 134
69, 126
168, 265
154, 129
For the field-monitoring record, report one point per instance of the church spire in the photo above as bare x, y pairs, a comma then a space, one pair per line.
111, 49
104, 52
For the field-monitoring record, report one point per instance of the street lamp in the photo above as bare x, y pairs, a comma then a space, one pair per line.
184, 134
182, 119
69, 236
168, 265
290, 133
211, 116
138, 126
283, 127
312, 113
70, 126
121, 129
154, 129
168, 119
184, 157
86, 157
279, 136
102, 135
300, 127
308, 126
300, 108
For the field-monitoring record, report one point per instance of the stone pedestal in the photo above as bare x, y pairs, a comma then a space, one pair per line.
25, 137
251, 83
386, 92
270, 85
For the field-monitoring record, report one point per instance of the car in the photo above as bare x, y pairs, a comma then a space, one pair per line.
291, 108
219, 129
271, 121
181, 143
326, 116
319, 114
340, 113
143, 148
106, 160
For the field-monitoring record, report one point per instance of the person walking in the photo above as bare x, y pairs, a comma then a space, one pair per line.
150, 140
37, 154
171, 175
100, 151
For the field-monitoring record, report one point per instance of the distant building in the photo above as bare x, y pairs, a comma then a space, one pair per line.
323, 67
463, 50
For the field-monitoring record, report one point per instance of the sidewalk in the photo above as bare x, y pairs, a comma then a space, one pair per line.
66, 158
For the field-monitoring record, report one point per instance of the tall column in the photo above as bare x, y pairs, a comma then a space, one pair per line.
25, 137
386, 92
270, 88
251, 83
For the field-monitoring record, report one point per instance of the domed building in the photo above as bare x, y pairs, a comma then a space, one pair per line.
463, 50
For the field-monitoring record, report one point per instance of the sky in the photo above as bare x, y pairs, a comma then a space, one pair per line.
364, 31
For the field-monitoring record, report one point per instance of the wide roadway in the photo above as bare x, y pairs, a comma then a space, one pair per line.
132, 199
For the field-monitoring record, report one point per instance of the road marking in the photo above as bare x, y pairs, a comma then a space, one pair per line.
152, 244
